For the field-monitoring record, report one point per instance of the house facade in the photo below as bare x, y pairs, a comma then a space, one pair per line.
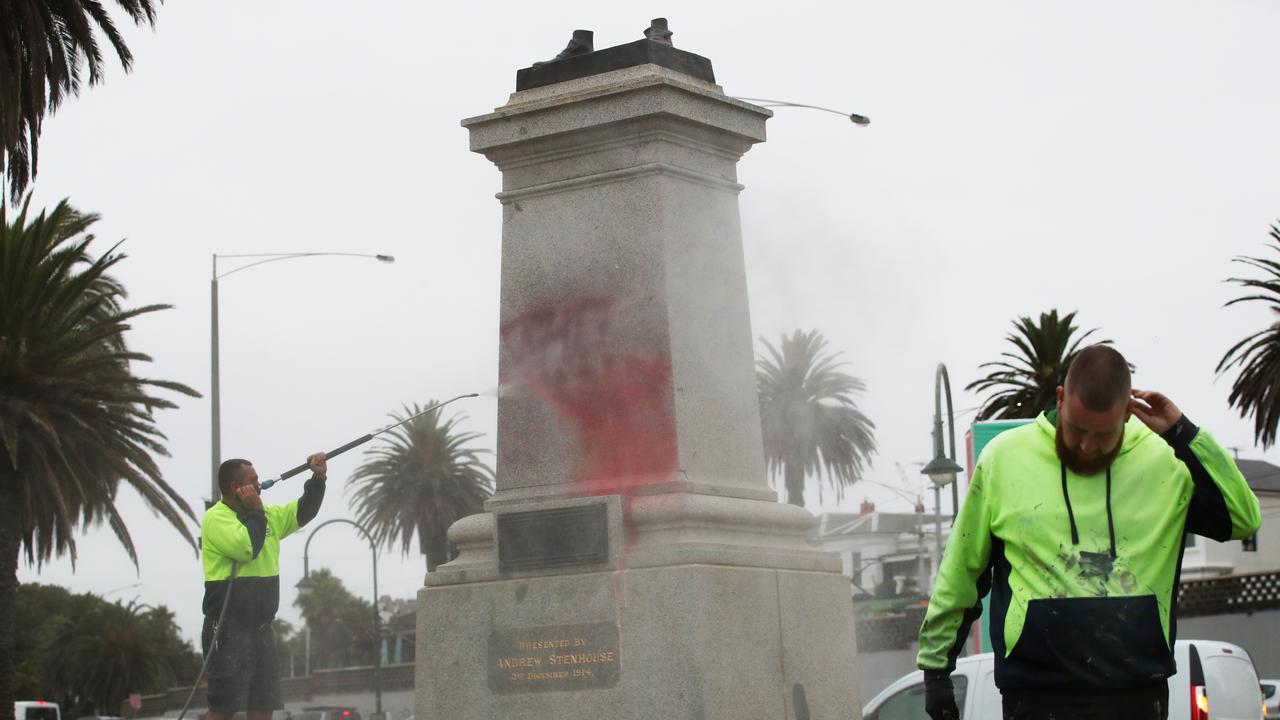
1205, 558
884, 554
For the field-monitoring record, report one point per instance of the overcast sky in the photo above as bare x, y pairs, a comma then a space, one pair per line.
1106, 157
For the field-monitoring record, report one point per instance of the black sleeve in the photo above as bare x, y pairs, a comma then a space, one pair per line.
255, 521
1207, 514
309, 503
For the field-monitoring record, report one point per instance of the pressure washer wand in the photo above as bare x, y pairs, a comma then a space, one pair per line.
362, 440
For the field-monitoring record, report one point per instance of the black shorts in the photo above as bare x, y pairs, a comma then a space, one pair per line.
244, 672
1141, 703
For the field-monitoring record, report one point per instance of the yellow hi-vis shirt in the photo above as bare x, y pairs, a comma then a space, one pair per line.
224, 538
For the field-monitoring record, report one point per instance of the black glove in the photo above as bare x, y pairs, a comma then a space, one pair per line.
940, 696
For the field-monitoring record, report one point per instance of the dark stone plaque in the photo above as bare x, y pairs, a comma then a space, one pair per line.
640, 52
557, 657
557, 537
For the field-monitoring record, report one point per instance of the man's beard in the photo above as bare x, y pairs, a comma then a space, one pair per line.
1082, 465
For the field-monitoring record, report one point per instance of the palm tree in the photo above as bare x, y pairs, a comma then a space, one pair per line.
179, 659
420, 481
808, 417
74, 420
44, 49
1256, 390
90, 653
101, 652
1026, 382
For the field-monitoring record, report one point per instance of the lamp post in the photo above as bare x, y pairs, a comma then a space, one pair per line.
305, 585
942, 469
855, 118
215, 386
122, 587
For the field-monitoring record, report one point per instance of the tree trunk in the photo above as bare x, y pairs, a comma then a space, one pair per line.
10, 546
795, 484
427, 548
434, 542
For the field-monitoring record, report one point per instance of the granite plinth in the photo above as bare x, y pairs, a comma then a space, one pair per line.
627, 367
692, 642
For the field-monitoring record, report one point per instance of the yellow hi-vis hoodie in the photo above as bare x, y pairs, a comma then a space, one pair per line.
251, 540
1082, 570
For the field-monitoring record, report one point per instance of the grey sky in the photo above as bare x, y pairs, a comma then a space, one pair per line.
1105, 157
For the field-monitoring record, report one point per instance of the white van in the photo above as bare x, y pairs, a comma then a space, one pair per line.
1215, 681
1271, 696
36, 710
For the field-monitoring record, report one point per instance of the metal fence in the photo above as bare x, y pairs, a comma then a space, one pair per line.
891, 630
1229, 594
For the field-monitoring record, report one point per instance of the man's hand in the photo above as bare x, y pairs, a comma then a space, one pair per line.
248, 497
1154, 410
940, 697
318, 464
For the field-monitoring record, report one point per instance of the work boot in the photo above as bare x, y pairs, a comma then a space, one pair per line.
658, 32
581, 43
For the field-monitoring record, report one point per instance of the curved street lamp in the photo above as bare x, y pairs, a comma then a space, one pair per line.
942, 469
215, 390
855, 118
305, 586
122, 587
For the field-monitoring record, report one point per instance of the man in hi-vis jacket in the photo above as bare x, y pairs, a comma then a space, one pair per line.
240, 546
1075, 525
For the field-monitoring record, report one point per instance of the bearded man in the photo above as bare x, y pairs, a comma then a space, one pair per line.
1075, 524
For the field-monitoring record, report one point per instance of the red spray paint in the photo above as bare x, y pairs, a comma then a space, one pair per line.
618, 404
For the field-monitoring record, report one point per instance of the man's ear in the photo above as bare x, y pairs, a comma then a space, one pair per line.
1062, 393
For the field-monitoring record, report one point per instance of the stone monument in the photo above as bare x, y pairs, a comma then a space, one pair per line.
633, 562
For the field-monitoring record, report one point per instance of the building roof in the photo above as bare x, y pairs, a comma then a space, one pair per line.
1261, 475
872, 523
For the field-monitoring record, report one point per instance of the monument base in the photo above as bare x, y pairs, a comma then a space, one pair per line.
632, 562
674, 642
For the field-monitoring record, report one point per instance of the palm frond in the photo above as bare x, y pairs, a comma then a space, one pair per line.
1256, 389
45, 47
1025, 383
75, 421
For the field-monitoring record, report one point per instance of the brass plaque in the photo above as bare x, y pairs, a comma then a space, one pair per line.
558, 537
556, 657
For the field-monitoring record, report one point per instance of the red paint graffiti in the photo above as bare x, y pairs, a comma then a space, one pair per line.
619, 404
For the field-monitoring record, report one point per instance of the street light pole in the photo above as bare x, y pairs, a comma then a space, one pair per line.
215, 389
122, 587
941, 386
215, 384
305, 585
942, 469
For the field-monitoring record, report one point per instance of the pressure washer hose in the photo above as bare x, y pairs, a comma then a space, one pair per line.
213, 645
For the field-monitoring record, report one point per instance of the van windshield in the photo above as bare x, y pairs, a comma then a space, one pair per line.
1233, 686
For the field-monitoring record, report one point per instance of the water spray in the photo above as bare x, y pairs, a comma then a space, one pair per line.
362, 440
